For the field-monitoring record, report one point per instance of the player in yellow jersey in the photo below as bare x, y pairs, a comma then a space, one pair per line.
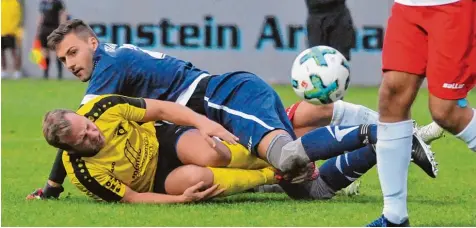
117, 171
112, 152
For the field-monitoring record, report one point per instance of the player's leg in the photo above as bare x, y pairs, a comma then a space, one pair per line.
405, 50
191, 148
231, 179
254, 113
59, 66
4, 57
342, 32
16, 54
43, 36
306, 117
341, 171
316, 34
451, 68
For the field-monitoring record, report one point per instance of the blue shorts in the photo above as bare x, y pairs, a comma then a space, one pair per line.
247, 106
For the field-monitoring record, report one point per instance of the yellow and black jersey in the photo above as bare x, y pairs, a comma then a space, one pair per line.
129, 157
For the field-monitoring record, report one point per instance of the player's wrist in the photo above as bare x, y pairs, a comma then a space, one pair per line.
200, 121
182, 199
50, 191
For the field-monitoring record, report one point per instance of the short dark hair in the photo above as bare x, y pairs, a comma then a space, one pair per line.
56, 126
76, 25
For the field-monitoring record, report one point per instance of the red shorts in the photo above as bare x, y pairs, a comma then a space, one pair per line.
438, 42
292, 109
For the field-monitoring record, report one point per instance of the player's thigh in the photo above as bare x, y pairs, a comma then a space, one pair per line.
187, 176
168, 160
43, 37
249, 108
192, 148
316, 34
451, 50
405, 44
342, 36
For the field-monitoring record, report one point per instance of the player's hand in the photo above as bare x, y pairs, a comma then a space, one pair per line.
197, 192
209, 128
37, 194
45, 193
308, 173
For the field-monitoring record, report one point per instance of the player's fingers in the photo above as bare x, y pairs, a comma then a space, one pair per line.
229, 137
209, 139
208, 191
197, 186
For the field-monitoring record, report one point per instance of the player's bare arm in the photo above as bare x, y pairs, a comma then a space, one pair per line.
181, 115
194, 193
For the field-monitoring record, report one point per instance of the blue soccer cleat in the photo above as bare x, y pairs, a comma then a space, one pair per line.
383, 222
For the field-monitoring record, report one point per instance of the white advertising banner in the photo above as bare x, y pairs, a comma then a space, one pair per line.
260, 36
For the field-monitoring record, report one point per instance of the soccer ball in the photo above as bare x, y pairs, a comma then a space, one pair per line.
320, 75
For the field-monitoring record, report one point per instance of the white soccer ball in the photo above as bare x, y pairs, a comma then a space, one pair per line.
320, 75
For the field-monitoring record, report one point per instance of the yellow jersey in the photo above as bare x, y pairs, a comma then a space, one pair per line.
129, 157
11, 17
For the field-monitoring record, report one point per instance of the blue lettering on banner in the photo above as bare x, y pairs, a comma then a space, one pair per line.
213, 36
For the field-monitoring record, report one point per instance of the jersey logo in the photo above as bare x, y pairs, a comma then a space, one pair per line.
121, 131
341, 133
113, 184
134, 157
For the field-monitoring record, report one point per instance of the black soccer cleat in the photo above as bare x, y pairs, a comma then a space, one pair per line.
424, 157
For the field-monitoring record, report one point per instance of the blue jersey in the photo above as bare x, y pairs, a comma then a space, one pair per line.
130, 71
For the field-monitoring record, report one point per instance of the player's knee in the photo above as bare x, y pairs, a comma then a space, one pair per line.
287, 154
441, 114
397, 92
187, 176
267, 140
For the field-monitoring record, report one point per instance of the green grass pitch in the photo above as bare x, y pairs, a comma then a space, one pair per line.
449, 200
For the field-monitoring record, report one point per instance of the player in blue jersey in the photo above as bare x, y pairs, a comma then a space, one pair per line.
240, 101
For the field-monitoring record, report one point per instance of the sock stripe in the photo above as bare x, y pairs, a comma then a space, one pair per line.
351, 178
338, 165
330, 131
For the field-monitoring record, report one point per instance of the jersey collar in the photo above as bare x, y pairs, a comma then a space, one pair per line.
100, 62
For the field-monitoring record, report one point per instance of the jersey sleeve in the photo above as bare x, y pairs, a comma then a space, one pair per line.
94, 181
131, 109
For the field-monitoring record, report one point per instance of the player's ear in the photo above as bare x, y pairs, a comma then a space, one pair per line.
93, 41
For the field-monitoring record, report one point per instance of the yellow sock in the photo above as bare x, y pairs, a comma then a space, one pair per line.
243, 159
240, 180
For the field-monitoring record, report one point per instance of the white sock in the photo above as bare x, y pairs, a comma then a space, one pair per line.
16, 74
393, 158
4, 74
348, 114
468, 135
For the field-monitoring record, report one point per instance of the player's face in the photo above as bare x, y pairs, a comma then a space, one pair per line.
85, 137
76, 54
